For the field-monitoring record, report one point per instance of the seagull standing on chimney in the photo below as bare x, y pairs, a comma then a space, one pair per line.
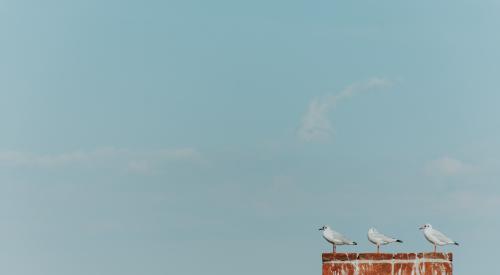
435, 237
379, 239
335, 238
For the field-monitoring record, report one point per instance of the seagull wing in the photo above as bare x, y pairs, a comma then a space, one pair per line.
441, 237
377, 236
386, 238
341, 238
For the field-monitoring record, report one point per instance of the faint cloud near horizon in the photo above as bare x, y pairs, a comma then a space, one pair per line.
448, 166
139, 162
316, 125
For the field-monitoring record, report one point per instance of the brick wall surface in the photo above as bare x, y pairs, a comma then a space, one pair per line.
387, 264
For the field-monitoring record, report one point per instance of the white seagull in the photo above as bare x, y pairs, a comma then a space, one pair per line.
335, 238
435, 237
379, 239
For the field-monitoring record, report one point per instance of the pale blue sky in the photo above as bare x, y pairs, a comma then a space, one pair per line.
215, 137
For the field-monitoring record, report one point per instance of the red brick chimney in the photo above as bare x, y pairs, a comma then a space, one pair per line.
387, 264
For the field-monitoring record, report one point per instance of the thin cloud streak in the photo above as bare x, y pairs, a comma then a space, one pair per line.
448, 166
141, 162
316, 125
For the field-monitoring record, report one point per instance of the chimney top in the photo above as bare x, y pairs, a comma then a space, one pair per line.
387, 263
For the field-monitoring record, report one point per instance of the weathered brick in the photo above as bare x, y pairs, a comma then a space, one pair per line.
387, 264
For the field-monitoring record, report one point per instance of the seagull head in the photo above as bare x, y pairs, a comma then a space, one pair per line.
425, 226
372, 230
324, 227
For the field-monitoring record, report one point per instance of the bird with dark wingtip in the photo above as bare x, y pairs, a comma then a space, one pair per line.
379, 239
335, 238
435, 237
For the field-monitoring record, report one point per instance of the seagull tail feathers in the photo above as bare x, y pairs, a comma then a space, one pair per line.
455, 243
354, 243
399, 241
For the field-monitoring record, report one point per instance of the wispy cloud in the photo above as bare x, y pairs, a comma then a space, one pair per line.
142, 162
188, 153
448, 166
476, 200
18, 158
316, 124
147, 162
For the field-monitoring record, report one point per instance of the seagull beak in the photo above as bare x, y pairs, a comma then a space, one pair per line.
421, 227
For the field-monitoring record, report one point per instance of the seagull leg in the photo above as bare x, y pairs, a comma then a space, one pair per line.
334, 248
434, 248
378, 249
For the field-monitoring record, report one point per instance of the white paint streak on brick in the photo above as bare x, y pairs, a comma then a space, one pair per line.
393, 261
416, 263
